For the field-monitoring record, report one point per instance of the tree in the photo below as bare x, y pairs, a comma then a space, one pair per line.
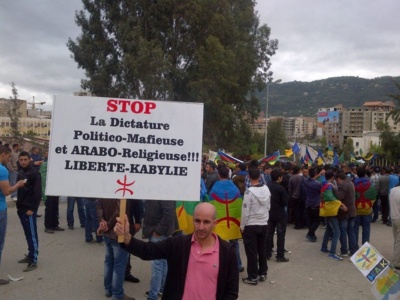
214, 52
389, 141
395, 114
276, 139
13, 113
348, 149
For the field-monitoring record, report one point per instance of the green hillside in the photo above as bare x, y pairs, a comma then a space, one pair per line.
297, 98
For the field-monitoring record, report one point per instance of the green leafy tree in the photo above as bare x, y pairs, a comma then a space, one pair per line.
13, 113
395, 114
276, 139
389, 141
348, 148
30, 134
213, 51
374, 148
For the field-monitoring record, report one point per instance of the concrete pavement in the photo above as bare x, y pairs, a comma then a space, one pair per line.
69, 268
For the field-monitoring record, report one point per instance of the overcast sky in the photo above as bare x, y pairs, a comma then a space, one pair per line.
317, 39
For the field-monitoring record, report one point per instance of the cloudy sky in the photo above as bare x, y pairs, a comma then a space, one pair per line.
317, 39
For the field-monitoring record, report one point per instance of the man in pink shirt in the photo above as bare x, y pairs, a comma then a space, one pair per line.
200, 265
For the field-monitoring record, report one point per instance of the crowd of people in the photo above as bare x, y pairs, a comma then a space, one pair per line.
343, 199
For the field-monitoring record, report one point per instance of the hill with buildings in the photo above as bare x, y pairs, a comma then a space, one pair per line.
297, 98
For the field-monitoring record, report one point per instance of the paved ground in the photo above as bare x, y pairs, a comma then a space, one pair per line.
68, 268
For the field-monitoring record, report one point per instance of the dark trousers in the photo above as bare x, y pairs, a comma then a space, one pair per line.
91, 221
385, 208
254, 240
290, 212
376, 208
51, 212
30, 229
280, 226
299, 212
313, 220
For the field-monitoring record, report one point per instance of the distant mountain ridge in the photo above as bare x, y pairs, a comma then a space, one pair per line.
291, 99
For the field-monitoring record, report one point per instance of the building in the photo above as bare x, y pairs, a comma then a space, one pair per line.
299, 128
30, 121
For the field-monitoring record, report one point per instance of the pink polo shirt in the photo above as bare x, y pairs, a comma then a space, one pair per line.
202, 272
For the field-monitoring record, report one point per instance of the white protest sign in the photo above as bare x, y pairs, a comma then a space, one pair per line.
120, 148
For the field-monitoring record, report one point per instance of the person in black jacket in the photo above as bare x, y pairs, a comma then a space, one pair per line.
200, 265
277, 216
29, 197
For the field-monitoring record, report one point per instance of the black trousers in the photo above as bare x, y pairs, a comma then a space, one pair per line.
313, 220
299, 211
385, 208
280, 226
51, 212
254, 240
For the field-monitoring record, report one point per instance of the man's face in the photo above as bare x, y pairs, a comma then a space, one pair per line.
5, 158
204, 224
208, 169
305, 172
268, 171
24, 161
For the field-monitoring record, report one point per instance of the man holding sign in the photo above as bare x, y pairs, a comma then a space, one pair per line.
200, 265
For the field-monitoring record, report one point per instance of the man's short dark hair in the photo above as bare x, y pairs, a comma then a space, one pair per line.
275, 174
341, 175
329, 174
242, 167
211, 164
253, 163
312, 172
23, 153
223, 172
254, 173
267, 166
296, 169
4, 149
361, 172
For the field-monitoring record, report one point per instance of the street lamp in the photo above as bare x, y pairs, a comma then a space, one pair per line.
266, 114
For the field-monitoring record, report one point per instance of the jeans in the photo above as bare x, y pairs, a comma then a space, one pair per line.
235, 243
376, 208
3, 228
365, 222
343, 224
30, 229
13, 180
91, 221
70, 211
351, 235
159, 268
114, 268
254, 240
51, 212
280, 225
332, 229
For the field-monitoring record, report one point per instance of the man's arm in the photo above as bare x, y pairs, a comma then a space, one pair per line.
245, 210
139, 248
6, 189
